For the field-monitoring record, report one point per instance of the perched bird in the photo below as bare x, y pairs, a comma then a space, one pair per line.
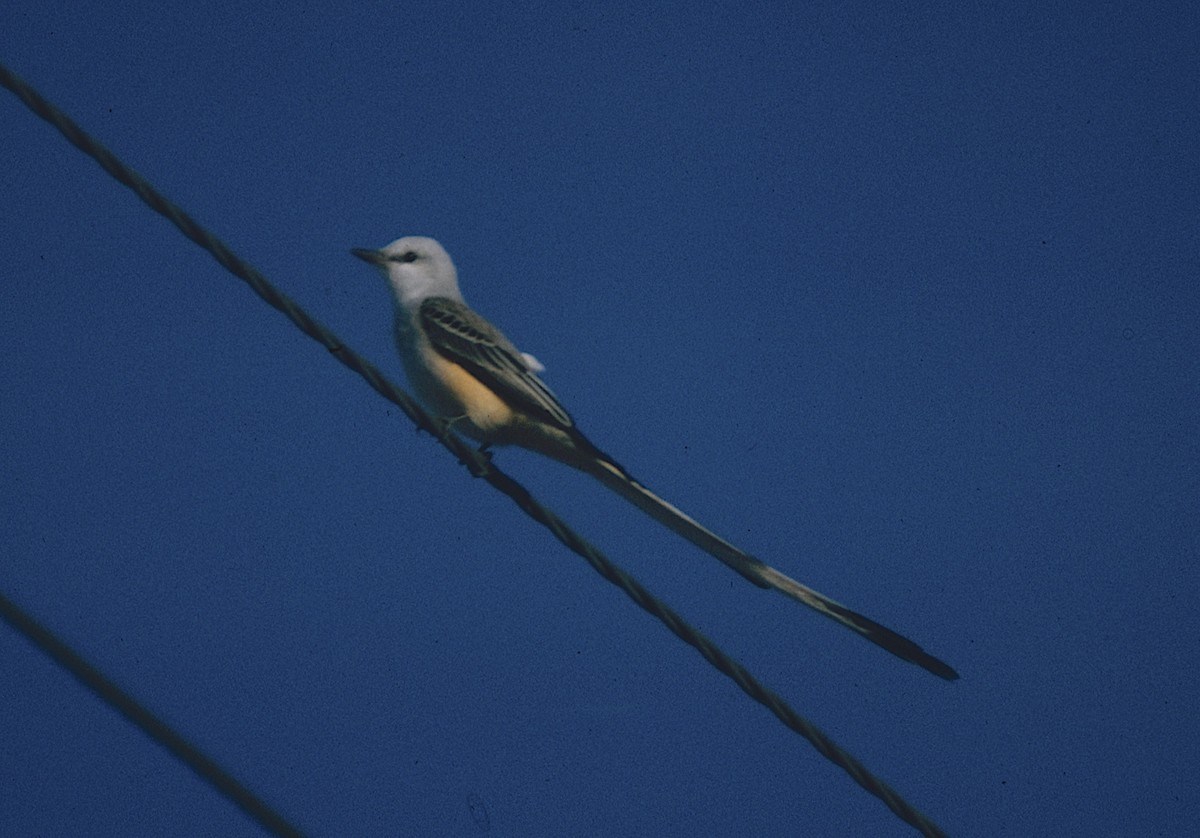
468, 373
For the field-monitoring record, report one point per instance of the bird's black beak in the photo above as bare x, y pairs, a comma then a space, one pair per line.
371, 257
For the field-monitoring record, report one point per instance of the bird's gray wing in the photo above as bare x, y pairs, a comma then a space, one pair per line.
468, 340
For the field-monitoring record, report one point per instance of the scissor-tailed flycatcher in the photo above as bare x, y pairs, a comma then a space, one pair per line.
468, 373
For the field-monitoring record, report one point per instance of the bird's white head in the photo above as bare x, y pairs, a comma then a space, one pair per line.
416, 267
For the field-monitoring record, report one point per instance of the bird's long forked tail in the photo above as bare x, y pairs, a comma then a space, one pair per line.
758, 572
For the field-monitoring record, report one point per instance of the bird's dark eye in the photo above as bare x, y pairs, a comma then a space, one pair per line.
408, 256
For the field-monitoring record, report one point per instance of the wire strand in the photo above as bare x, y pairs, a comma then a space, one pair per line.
158, 730
478, 464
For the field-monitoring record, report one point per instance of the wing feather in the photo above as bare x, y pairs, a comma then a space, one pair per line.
464, 337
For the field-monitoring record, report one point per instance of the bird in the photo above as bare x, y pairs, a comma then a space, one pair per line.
468, 373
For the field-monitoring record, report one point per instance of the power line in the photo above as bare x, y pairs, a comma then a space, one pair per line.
476, 463
154, 727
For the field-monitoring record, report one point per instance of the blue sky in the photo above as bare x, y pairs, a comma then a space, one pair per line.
902, 301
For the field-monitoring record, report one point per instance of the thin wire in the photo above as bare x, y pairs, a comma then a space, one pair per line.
156, 728
478, 464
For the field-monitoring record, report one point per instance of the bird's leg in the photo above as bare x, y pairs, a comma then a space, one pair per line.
448, 423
